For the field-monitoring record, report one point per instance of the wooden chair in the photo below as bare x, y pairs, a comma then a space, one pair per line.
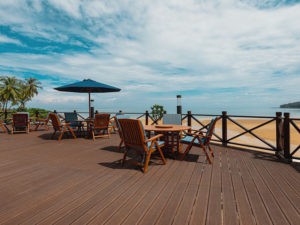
172, 119
60, 127
3, 126
72, 118
41, 122
100, 125
20, 122
200, 139
118, 128
135, 139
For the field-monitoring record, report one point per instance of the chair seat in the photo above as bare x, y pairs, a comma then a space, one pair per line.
188, 139
160, 143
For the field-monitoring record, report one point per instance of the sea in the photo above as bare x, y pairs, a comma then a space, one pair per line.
240, 111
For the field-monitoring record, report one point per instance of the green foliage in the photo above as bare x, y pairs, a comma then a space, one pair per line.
18, 92
43, 113
157, 111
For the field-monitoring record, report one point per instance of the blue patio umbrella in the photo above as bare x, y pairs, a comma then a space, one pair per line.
88, 86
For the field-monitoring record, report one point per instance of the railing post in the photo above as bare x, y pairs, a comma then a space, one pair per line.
279, 135
5, 114
286, 133
224, 128
189, 118
147, 117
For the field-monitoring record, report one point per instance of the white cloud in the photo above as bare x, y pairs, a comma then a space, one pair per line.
71, 7
5, 39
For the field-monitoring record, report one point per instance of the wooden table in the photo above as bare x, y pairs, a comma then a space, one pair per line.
171, 132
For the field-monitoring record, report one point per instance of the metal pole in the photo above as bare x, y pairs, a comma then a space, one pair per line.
179, 107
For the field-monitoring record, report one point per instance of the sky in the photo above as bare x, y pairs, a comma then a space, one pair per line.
218, 54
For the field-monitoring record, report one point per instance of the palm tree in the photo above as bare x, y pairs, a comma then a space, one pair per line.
9, 91
32, 86
29, 88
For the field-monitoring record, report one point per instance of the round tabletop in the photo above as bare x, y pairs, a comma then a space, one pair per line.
166, 128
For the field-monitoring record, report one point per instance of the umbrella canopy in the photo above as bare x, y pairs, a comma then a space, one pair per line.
88, 86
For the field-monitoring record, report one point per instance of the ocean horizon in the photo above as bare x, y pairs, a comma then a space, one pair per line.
242, 111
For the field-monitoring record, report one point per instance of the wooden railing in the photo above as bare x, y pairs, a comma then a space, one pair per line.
282, 127
281, 144
283, 124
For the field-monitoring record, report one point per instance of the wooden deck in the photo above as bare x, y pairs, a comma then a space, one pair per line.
81, 182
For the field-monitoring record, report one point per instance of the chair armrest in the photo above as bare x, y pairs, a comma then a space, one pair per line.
154, 137
195, 134
43, 120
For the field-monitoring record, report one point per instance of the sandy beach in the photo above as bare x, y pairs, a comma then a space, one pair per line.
266, 132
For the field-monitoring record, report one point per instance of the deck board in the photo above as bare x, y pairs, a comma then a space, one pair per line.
43, 181
214, 215
229, 198
244, 210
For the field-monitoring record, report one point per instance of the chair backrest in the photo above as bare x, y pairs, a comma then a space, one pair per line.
210, 129
72, 118
117, 124
133, 133
20, 119
55, 121
172, 119
101, 120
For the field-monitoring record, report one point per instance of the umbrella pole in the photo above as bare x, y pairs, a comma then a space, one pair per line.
90, 116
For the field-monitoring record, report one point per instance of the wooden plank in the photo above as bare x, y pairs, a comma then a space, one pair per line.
284, 186
290, 213
230, 214
28, 183
70, 201
60, 198
282, 170
245, 213
269, 202
152, 213
76, 211
139, 210
258, 208
214, 212
134, 196
168, 213
16, 207
199, 212
184, 211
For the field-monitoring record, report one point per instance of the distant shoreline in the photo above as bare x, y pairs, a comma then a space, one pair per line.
293, 105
